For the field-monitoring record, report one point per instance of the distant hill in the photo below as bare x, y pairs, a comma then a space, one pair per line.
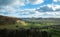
27, 19
9, 20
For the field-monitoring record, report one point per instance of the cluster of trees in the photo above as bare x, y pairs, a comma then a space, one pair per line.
24, 33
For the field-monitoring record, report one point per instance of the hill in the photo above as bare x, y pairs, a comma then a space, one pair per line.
11, 22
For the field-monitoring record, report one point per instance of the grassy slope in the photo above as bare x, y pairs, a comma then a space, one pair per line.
11, 22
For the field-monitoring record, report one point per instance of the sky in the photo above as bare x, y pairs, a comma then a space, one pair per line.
30, 8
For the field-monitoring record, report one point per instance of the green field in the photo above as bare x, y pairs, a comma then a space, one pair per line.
50, 25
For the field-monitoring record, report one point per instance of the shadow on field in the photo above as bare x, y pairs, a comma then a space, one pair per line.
24, 33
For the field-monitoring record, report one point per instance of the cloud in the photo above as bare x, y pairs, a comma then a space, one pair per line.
56, 7
49, 8
18, 3
45, 8
5, 2
8, 9
12, 3
56, 0
57, 13
31, 14
34, 2
48, 14
28, 13
36, 14
13, 9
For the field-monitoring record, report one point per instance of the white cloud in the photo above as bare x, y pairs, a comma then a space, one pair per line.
35, 1
49, 8
55, 7
47, 14
10, 9
56, 0
18, 3
57, 13
14, 3
44, 14
49, 5
52, 14
30, 13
